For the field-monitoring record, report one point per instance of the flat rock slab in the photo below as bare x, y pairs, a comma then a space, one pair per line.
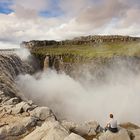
48, 131
121, 135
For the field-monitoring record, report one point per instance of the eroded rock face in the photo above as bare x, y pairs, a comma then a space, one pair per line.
73, 64
53, 62
13, 111
46, 63
10, 67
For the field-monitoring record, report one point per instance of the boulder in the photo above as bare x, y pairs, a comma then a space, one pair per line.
43, 113
86, 128
12, 101
22, 107
129, 126
69, 125
15, 130
56, 133
30, 102
121, 135
74, 136
18, 108
27, 107
51, 130
11, 130
29, 122
3, 133
93, 125
6, 109
136, 134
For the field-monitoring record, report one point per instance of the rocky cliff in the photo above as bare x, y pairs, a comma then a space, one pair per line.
22, 119
87, 40
65, 55
18, 116
10, 67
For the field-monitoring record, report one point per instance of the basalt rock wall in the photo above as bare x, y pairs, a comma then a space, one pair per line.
10, 67
87, 40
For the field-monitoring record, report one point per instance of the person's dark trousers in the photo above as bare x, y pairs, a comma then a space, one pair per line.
113, 130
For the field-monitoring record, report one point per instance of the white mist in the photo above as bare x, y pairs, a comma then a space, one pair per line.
83, 99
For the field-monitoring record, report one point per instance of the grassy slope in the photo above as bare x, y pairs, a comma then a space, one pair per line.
100, 50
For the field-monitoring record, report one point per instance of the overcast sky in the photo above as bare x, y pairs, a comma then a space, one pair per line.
23, 20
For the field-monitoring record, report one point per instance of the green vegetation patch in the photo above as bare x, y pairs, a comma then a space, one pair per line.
104, 50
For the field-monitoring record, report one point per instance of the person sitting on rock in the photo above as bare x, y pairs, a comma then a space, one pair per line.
112, 124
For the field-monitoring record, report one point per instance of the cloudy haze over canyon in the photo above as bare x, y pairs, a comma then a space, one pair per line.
74, 62
63, 19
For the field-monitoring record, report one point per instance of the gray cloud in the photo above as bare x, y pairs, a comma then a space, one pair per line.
81, 17
124, 12
73, 7
103, 13
29, 9
22, 12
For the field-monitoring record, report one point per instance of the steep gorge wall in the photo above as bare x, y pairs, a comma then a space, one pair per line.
63, 62
74, 64
10, 67
67, 61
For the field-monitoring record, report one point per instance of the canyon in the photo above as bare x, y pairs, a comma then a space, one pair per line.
22, 117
